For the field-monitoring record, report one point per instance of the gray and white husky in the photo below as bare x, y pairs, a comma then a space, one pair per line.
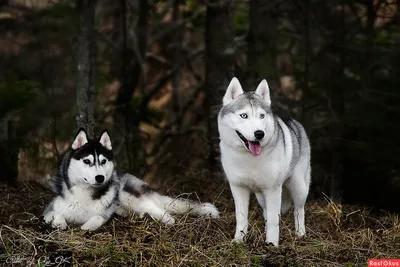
89, 191
264, 154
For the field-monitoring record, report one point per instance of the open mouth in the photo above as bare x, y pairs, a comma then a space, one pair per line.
253, 146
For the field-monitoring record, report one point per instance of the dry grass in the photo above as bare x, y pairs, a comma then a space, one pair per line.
337, 236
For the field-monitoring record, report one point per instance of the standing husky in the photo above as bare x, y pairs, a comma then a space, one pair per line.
264, 154
89, 190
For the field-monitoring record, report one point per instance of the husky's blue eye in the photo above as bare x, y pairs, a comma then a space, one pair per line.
243, 115
103, 162
86, 161
262, 116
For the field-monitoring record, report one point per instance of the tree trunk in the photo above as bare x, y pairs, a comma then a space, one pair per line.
262, 50
132, 55
8, 152
3, 3
177, 57
338, 127
85, 63
261, 45
370, 35
219, 59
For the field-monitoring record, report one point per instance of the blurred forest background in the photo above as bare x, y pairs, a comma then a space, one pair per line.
154, 72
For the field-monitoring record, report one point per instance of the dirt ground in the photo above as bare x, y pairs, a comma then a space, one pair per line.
337, 235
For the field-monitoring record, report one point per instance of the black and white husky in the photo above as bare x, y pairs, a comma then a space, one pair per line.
89, 191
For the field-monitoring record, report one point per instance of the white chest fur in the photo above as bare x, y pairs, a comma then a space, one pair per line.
256, 172
78, 206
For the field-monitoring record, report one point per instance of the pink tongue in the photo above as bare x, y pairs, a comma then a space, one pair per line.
255, 148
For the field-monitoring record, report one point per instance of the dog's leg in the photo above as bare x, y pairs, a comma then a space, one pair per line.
299, 215
273, 199
241, 196
160, 215
94, 223
149, 205
299, 191
56, 220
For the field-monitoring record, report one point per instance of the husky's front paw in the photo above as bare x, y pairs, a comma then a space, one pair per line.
271, 244
87, 227
121, 211
273, 241
56, 220
301, 232
239, 235
93, 223
48, 217
60, 224
237, 240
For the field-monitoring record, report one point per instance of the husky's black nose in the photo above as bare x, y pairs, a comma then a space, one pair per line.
99, 178
259, 134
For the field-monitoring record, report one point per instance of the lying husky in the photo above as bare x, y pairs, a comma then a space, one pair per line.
89, 191
264, 154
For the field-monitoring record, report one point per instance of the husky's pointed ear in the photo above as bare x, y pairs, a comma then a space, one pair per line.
105, 140
80, 139
263, 91
234, 90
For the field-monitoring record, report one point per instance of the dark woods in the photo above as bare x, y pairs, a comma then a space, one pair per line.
154, 72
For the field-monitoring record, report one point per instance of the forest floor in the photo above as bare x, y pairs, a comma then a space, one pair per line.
337, 236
